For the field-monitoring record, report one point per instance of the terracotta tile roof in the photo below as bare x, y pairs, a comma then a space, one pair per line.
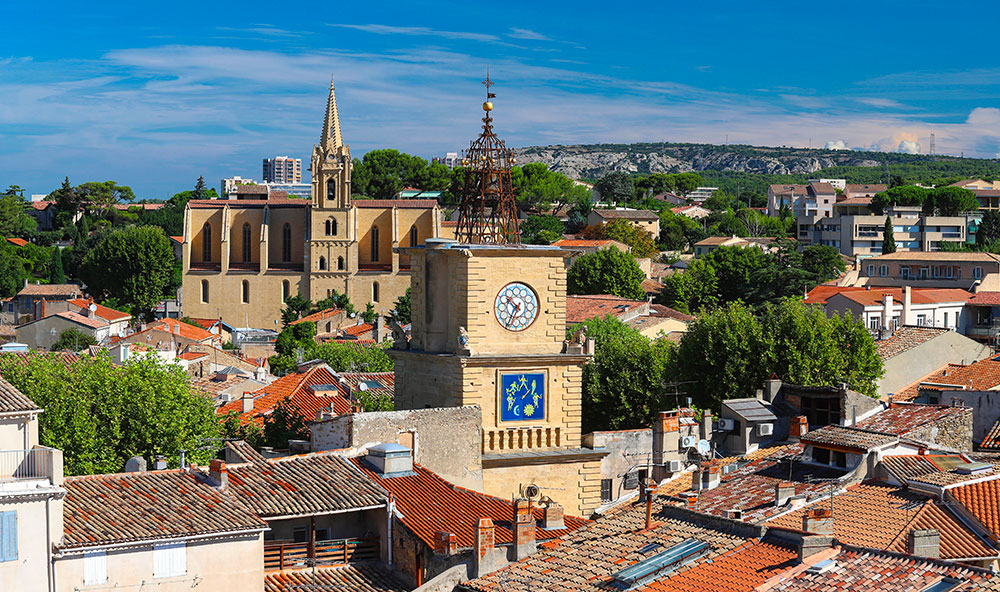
108, 314
91, 322
581, 308
947, 479
912, 466
659, 310
917, 296
847, 437
216, 383
719, 241
319, 316
903, 418
175, 327
202, 204
854, 201
13, 400
20, 242
985, 298
586, 559
627, 214
354, 577
868, 188
359, 329
144, 206
127, 507
821, 293
66, 358
906, 338
428, 504
190, 355
779, 189
992, 439
863, 569
304, 484
981, 500
64, 290
652, 286
177, 239
376, 383
983, 375
395, 203
881, 516
297, 388
41, 205
821, 188
938, 256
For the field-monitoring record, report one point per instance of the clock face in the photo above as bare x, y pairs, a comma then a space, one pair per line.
516, 306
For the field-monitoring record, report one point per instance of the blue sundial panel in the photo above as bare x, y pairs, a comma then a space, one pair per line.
522, 396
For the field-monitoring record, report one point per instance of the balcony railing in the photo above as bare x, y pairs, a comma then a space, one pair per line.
17, 465
280, 555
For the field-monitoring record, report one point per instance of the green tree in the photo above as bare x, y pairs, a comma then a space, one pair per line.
903, 195
104, 195
692, 291
133, 265
888, 240
12, 271
608, 271
199, 189
950, 201
13, 219
56, 273
539, 188
824, 262
73, 340
369, 315
989, 229
382, 174
66, 198
284, 423
100, 414
640, 241
623, 387
350, 358
541, 230
401, 311
616, 187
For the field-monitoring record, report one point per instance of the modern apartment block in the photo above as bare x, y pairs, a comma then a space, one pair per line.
941, 269
450, 160
231, 184
282, 169
814, 199
853, 231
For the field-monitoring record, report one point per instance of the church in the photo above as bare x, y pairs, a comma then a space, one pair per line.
243, 257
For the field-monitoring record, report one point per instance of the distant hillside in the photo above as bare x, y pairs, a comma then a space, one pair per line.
752, 166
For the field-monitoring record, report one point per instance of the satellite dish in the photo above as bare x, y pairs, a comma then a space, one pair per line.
92, 307
362, 386
214, 330
532, 490
703, 447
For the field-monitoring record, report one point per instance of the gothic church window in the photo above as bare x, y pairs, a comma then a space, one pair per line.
374, 243
413, 236
286, 243
322, 263
340, 263
246, 242
206, 242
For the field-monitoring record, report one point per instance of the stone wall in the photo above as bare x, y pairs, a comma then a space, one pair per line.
575, 485
628, 450
985, 405
443, 440
953, 432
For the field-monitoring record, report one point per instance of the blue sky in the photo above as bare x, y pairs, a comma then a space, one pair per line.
153, 97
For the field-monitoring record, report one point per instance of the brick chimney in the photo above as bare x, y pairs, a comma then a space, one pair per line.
818, 521
798, 426
666, 441
445, 543
524, 529
483, 547
782, 492
247, 402
705, 432
552, 517
218, 472
924, 543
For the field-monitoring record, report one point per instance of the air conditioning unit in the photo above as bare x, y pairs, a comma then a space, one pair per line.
725, 424
689, 441
725, 469
765, 429
675, 466
225, 397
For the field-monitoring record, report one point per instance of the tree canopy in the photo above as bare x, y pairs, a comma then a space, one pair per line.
616, 187
607, 271
383, 173
101, 414
541, 230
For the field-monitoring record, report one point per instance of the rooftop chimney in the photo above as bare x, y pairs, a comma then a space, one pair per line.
712, 473
136, 464
160, 462
552, 517
445, 543
706, 425
666, 439
247, 402
924, 543
887, 310
906, 306
483, 547
772, 386
524, 529
390, 459
818, 521
783, 492
218, 472
798, 426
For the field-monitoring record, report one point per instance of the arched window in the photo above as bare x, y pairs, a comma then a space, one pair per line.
285, 290
204, 291
333, 227
246, 292
286, 243
246, 242
374, 291
327, 225
340, 263
413, 235
206, 242
374, 243
331, 189
322, 263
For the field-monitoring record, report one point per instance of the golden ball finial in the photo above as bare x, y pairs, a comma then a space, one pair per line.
487, 106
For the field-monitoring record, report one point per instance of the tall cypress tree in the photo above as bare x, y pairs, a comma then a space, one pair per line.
199, 189
56, 273
888, 240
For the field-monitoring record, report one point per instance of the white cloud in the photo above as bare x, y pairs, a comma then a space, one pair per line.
908, 147
836, 145
527, 34
881, 102
424, 31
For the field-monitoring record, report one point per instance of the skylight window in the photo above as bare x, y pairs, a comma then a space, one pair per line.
943, 585
660, 564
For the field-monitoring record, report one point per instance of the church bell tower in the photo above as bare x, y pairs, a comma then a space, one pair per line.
331, 162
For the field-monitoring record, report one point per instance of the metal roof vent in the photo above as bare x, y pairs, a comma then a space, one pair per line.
391, 460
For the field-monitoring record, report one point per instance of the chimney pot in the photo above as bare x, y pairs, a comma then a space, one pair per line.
783, 492
445, 543
219, 473
484, 545
818, 521
924, 543
798, 426
247, 402
524, 529
552, 517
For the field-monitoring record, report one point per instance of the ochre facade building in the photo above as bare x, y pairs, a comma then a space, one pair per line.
243, 257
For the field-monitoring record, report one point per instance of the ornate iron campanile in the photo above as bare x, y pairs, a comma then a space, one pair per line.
488, 211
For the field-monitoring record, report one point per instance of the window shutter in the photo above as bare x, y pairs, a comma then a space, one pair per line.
169, 560
8, 536
95, 567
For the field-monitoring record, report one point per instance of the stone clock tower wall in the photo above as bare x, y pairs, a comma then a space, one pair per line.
461, 353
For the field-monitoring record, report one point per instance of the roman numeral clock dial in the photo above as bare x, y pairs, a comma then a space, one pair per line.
516, 306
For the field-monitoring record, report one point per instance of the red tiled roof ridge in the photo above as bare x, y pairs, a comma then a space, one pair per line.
126, 474
906, 557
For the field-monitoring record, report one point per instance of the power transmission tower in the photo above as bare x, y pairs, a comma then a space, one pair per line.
932, 144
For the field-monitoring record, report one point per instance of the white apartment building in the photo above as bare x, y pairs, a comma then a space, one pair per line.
700, 194
449, 160
855, 233
229, 185
840, 184
891, 308
282, 169
815, 199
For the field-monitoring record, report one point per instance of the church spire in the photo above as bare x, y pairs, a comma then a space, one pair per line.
331, 137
